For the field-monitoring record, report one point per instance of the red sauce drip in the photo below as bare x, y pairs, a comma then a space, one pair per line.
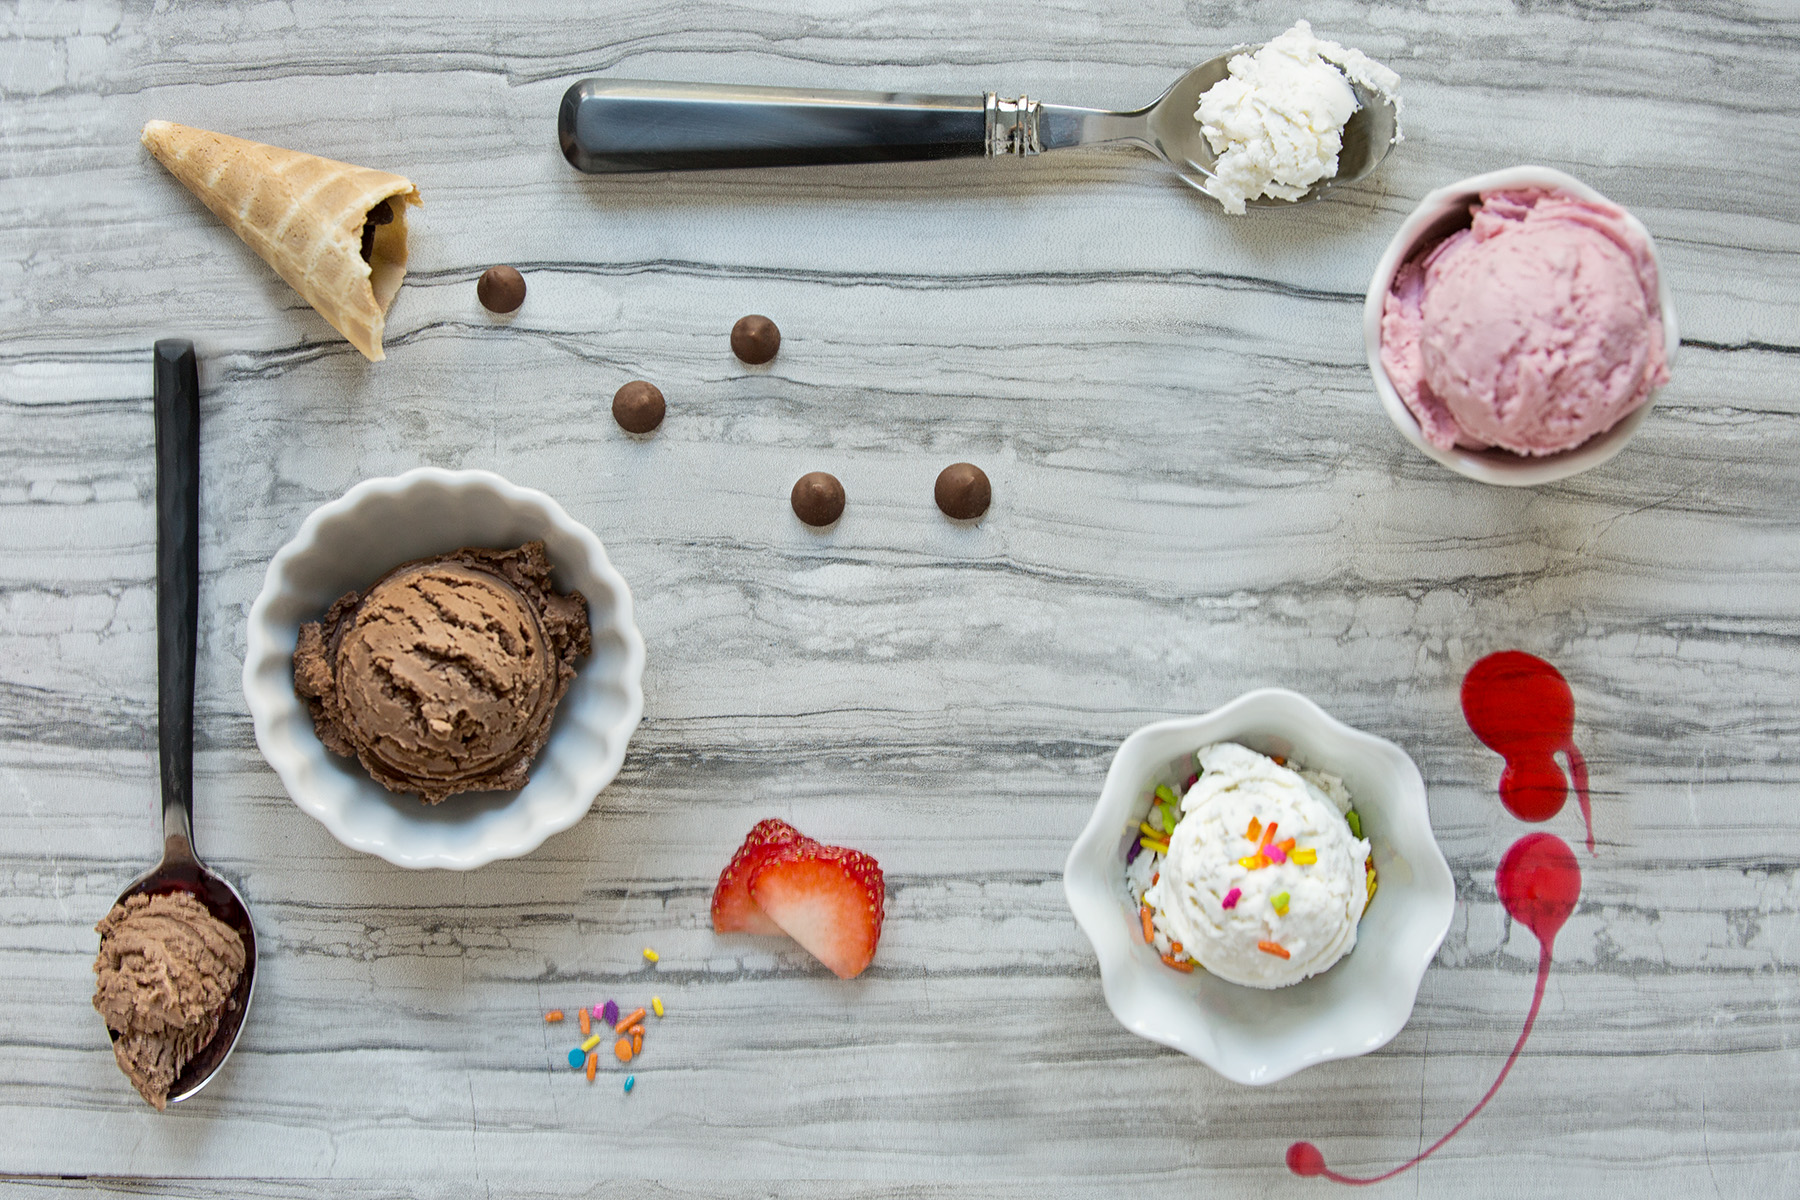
1539, 883
1521, 708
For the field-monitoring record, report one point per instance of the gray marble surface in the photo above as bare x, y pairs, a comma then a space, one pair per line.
1196, 494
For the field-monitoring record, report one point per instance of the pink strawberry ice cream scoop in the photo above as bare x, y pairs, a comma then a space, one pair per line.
1533, 330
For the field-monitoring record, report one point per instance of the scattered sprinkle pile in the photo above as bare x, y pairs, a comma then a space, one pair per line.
593, 1022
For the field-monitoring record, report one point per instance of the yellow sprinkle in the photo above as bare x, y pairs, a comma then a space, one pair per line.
656, 1005
1157, 847
651, 954
1153, 832
1306, 857
591, 1042
1253, 862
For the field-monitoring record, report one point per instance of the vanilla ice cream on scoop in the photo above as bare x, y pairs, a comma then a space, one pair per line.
1256, 908
1277, 121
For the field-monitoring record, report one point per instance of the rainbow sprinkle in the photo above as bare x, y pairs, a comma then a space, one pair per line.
1305, 858
1279, 902
1231, 898
1274, 948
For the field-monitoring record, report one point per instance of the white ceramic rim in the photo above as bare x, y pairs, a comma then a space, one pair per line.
289, 760
1098, 910
1500, 466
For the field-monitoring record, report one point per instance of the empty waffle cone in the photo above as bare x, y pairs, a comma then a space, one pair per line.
308, 217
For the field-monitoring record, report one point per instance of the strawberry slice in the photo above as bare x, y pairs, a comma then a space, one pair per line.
733, 911
830, 899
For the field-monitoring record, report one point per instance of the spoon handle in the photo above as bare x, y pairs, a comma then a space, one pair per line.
177, 408
608, 126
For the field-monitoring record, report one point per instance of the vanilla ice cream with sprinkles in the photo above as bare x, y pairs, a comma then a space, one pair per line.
1264, 876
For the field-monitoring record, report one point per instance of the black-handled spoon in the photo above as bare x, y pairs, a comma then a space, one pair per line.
609, 126
177, 409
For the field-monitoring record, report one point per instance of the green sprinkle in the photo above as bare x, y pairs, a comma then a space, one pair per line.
1280, 902
1165, 793
1355, 822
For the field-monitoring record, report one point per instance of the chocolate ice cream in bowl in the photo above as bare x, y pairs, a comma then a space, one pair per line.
443, 669
1519, 327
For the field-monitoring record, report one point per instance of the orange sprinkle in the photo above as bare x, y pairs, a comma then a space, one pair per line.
1177, 964
1254, 830
593, 1064
587, 1022
1274, 948
1146, 916
1278, 760
1287, 845
624, 1026
1154, 878
637, 1040
1174, 947
1268, 834
553, 1016
622, 1049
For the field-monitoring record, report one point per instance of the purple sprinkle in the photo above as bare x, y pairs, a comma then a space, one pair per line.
1231, 898
1132, 851
610, 1013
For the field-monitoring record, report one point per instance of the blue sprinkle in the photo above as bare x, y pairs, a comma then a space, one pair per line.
578, 1058
629, 1081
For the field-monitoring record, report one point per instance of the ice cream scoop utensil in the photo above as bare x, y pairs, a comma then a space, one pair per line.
620, 125
177, 406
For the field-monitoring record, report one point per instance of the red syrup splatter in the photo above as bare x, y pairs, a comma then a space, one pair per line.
1521, 708
1539, 883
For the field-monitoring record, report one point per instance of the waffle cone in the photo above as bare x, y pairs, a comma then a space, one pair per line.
304, 215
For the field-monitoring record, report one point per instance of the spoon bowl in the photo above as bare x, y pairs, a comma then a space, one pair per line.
180, 871
1173, 133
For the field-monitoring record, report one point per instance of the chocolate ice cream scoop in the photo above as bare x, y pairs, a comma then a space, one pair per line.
167, 971
444, 675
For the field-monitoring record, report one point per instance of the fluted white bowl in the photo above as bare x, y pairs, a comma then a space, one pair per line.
348, 544
1443, 208
1247, 1034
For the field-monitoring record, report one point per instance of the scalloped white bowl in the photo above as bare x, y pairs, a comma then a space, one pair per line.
1449, 205
1246, 1034
346, 545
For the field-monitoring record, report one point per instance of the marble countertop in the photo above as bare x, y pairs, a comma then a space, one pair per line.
1196, 493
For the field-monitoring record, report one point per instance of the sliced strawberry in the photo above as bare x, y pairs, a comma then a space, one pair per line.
830, 899
733, 911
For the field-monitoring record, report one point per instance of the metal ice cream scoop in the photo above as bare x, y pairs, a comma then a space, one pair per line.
620, 125
177, 406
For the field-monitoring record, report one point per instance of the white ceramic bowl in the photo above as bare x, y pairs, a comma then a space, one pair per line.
1246, 1034
346, 545
1446, 207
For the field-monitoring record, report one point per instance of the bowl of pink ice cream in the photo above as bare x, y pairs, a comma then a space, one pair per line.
1519, 327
